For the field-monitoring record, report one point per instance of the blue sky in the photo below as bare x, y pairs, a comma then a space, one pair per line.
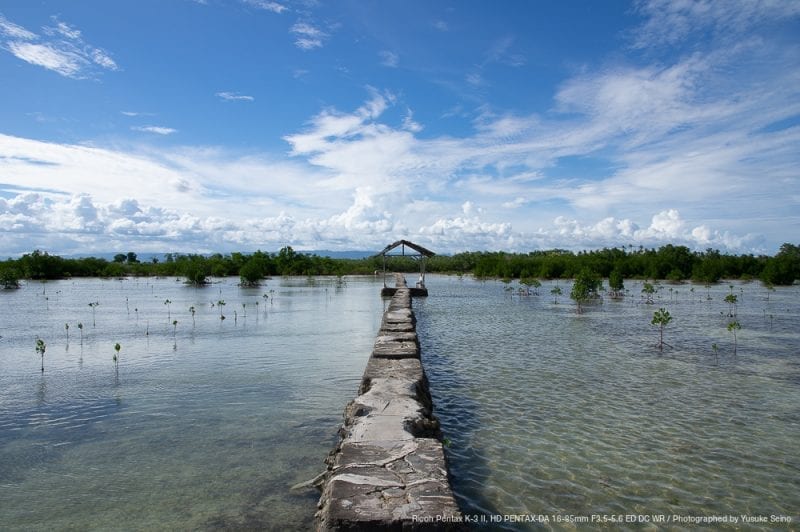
236, 125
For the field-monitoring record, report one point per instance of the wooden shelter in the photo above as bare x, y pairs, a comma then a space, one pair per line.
407, 249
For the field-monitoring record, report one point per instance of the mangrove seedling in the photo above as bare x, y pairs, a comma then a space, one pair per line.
94, 306
191, 309
66, 327
734, 326
117, 347
731, 300
174, 328
80, 328
556, 291
167, 302
648, 290
661, 318
770, 288
41, 347
220, 304
715, 349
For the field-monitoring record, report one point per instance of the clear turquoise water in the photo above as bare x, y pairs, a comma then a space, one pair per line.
203, 426
207, 425
560, 414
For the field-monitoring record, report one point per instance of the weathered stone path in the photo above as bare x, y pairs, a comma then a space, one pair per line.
388, 472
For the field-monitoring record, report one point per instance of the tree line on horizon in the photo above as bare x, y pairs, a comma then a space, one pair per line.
669, 262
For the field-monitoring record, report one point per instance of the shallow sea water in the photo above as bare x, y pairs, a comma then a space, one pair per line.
568, 416
206, 425
202, 426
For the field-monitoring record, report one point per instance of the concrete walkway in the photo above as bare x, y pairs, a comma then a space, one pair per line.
388, 472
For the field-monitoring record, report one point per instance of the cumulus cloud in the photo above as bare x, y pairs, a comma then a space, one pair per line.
61, 49
700, 166
666, 227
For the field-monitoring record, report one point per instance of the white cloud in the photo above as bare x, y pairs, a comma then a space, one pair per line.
9, 29
666, 227
63, 51
65, 30
267, 5
233, 96
475, 79
160, 130
389, 59
64, 62
668, 22
687, 155
308, 36
103, 59
516, 203
409, 124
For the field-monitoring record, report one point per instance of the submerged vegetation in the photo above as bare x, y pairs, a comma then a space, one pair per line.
673, 263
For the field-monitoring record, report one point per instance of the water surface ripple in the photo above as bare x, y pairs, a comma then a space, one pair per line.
205, 423
554, 413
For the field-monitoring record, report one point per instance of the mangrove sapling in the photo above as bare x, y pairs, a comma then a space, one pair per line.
734, 326
191, 309
174, 328
220, 304
661, 318
584, 287
167, 302
80, 328
66, 327
41, 347
117, 347
9, 278
530, 283
615, 284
